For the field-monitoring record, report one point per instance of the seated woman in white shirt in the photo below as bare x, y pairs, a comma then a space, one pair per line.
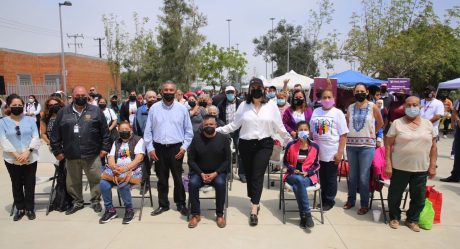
259, 121
123, 170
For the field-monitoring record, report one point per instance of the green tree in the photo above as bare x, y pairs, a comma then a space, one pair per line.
116, 45
217, 62
179, 40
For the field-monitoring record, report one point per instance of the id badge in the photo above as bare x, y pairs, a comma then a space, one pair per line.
76, 129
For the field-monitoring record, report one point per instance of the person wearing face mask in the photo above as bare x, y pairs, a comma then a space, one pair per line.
124, 160
328, 127
168, 134
110, 117
129, 108
33, 109
364, 120
301, 158
114, 106
410, 159
259, 121
197, 112
281, 102
271, 94
20, 143
140, 121
209, 162
205, 101
385, 96
62, 200
227, 110
214, 111
299, 111
432, 108
81, 136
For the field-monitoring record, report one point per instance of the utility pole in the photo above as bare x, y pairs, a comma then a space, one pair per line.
228, 20
100, 39
271, 41
75, 44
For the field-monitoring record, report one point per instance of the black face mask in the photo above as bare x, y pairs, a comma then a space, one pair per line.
399, 97
168, 97
192, 103
209, 130
428, 95
81, 101
102, 106
150, 103
54, 109
125, 134
203, 104
298, 102
360, 97
17, 110
132, 98
257, 93
114, 103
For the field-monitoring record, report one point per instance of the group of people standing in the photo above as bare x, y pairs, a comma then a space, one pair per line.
161, 129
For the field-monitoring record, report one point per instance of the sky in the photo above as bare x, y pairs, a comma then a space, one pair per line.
33, 25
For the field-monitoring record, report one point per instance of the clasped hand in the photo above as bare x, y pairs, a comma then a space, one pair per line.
208, 178
23, 157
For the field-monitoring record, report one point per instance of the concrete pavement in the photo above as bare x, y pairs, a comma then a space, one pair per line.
342, 229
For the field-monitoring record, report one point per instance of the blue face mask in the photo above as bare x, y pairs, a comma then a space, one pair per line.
412, 112
271, 95
281, 102
303, 135
230, 97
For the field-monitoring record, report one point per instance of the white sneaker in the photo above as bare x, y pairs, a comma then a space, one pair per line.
452, 157
206, 188
445, 136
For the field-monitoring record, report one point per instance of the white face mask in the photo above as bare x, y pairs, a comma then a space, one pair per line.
31, 100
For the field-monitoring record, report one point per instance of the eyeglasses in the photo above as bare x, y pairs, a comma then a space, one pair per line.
18, 131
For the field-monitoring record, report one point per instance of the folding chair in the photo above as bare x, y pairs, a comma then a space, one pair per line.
38, 181
211, 198
272, 164
379, 187
316, 189
232, 151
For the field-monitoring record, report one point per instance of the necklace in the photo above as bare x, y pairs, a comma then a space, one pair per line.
359, 117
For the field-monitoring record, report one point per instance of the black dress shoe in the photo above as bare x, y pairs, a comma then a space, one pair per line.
19, 214
73, 210
253, 220
450, 179
159, 210
31, 215
243, 178
97, 207
303, 222
183, 210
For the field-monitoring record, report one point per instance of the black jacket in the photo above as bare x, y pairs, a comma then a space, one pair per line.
223, 109
124, 110
92, 137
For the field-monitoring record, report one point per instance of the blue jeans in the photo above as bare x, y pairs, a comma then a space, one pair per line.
299, 186
360, 159
194, 185
124, 192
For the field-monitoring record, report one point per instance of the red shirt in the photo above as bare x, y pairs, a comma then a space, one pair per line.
396, 110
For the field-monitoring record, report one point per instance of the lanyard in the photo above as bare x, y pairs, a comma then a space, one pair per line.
425, 107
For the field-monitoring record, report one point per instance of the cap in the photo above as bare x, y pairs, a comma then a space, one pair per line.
383, 84
114, 96
229, 88
430, 87
256, 81
199, 92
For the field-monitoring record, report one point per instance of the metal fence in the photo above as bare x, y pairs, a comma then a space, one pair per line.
41, 90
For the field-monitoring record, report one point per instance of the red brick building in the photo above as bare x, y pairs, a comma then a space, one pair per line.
40, 73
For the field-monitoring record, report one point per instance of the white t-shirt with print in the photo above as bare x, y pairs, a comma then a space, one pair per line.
430, 109
132, 111
327, 127
123, 157
109, 115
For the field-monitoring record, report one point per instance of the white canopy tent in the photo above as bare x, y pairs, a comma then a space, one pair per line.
451, 84
294, 78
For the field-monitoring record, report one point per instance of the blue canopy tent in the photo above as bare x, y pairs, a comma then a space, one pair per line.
350, 78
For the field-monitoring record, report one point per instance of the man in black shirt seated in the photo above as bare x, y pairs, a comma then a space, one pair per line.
209, 161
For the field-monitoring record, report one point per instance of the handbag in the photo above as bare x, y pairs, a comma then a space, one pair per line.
436, 198
426, 216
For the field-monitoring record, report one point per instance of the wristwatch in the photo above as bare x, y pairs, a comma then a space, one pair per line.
31, 150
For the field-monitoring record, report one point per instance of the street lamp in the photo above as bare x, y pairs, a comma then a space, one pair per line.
228, 20
63, 76
271, 41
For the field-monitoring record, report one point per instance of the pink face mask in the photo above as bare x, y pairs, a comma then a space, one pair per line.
328, 103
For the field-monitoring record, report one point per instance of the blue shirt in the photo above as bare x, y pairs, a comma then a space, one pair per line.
168, 125
140, 120
28, 138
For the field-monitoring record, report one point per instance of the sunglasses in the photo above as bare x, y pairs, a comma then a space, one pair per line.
50, 106
18, 131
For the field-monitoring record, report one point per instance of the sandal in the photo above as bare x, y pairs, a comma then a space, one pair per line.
348, 206
363, 211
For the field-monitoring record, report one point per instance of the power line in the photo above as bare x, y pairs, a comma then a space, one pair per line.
75, 44
27, 26
29, 31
